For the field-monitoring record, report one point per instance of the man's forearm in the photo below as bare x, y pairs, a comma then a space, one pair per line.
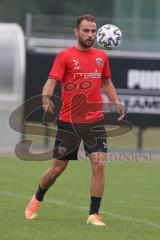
110, 91
113, 97
47, 92
49, 87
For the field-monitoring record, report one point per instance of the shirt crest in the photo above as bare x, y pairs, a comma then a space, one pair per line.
99, 61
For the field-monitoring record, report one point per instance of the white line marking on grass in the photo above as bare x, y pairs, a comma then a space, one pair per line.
65, 204
129, 218
133, 204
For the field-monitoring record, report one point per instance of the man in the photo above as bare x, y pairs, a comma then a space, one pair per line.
81, 70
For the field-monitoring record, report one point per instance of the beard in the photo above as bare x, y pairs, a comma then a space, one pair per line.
86, 43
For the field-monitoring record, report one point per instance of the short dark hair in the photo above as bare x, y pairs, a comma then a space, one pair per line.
84, 17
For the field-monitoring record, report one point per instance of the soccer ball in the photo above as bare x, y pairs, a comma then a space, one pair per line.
109, 36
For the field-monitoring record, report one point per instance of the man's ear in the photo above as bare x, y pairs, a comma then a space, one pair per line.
76, 32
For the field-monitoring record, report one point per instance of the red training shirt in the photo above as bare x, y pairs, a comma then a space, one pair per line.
80, 74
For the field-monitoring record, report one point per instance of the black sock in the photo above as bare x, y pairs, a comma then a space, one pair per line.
40, 193
95, 205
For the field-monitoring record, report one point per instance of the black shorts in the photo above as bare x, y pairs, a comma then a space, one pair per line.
69, 136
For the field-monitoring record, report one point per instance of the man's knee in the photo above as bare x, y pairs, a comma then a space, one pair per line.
98, 160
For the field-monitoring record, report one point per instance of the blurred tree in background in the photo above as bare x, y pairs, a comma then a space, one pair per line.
72, 7
16, 10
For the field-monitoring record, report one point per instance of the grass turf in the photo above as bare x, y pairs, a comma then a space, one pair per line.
130, 205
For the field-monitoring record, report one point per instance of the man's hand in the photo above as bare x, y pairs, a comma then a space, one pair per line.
47, 104
121, 110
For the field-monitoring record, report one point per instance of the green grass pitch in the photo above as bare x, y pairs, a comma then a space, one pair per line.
131, 203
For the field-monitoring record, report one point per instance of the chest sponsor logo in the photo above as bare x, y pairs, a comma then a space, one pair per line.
88, 75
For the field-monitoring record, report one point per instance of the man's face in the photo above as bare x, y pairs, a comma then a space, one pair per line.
86, 33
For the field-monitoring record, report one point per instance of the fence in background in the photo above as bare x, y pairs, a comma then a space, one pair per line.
138, 34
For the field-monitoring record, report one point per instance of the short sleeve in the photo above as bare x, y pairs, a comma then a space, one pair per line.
58, 67
106, 73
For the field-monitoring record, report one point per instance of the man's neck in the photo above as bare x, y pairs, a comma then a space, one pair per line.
81, 48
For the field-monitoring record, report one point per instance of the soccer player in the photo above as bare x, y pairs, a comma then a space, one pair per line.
81, 70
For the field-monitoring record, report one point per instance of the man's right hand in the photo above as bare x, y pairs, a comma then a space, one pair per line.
47, 104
